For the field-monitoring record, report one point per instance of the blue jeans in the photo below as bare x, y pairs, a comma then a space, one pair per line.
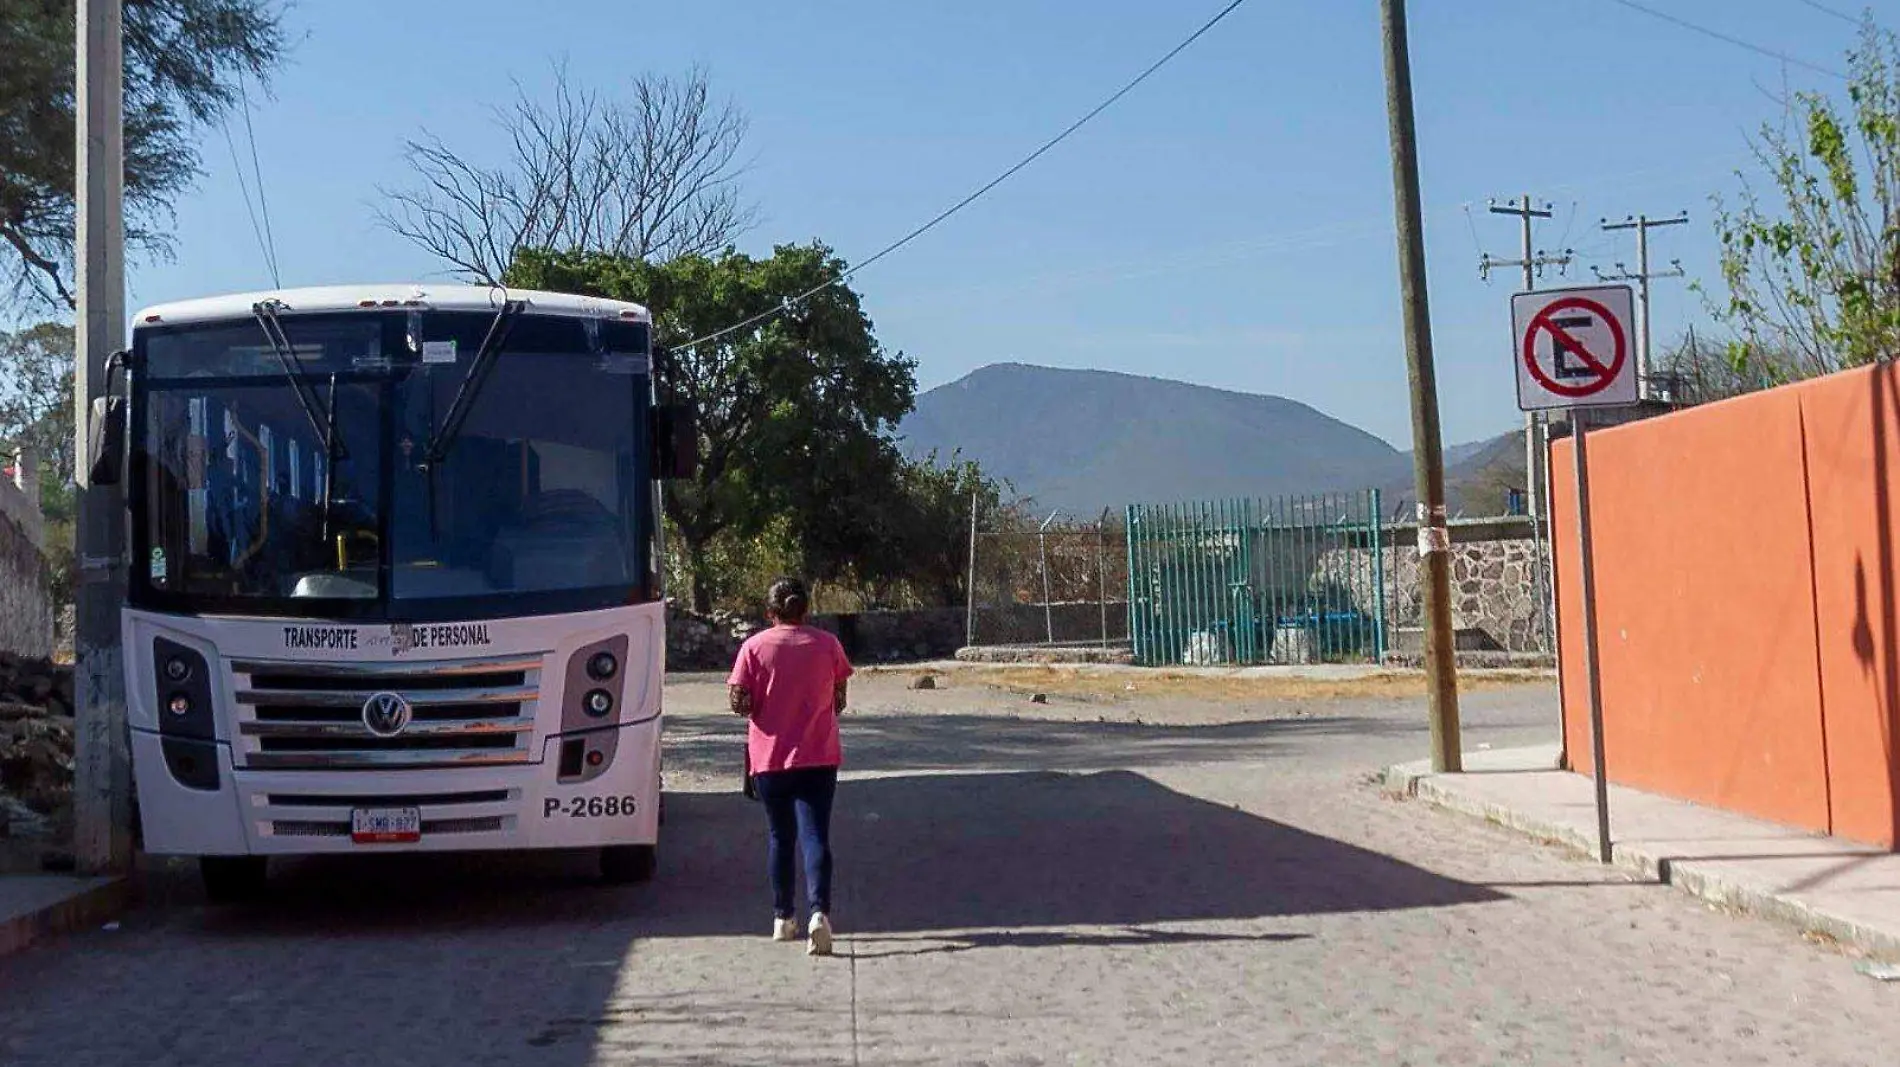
798, 811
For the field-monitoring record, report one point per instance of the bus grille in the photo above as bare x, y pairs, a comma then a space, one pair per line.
303, 716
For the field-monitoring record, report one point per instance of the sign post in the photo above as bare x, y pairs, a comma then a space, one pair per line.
1572, 352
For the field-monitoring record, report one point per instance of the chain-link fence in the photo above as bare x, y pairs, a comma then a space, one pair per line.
1049, 582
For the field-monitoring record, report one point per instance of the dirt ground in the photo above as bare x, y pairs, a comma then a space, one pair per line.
1187, 689
1143, 716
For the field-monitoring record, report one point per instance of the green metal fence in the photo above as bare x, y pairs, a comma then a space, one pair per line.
1293, 579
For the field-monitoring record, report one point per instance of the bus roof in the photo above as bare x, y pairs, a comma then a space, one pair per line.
383, 297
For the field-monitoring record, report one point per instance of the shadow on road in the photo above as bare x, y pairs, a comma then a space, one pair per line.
1041, 850
916, 854
882, 947
505, 959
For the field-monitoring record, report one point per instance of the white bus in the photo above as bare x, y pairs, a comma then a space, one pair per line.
395, 576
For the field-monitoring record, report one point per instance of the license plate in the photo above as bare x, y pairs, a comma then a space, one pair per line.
385, 826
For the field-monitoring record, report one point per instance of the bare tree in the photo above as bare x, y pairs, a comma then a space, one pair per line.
652, 176
1698, 372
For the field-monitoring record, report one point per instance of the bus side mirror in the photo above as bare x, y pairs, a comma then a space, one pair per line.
675, 442
106, 440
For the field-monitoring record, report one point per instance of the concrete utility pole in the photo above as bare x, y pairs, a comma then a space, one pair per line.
102, 804
1641, 224
1434, 539
1533, 263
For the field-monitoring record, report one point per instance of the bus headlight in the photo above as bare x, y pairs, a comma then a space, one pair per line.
594, 683
180, 693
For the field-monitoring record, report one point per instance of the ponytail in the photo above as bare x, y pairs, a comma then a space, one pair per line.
787, 601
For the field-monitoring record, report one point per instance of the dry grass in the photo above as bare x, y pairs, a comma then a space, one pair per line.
1056, 681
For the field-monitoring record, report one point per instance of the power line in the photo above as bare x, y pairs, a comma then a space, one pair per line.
1331, 235
1477, 244
786, 303
1836, 12
244, 189
1728, 39
257, 172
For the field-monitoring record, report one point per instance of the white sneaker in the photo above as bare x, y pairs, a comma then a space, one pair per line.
784, 929
820, 933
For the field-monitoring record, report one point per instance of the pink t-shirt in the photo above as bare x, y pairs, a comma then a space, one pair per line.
792, 673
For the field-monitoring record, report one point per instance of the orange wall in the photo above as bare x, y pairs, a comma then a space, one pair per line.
1853, 457
1748, 600
1705, 614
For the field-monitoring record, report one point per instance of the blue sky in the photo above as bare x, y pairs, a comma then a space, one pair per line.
1229, 223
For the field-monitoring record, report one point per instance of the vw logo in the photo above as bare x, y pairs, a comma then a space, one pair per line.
385, 714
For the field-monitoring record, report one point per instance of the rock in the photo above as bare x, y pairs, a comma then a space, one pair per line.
923, 681
18, 820
36, 760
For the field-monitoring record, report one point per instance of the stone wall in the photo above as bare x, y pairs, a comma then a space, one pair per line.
1495, 590
702, 642
26, 582
36, 746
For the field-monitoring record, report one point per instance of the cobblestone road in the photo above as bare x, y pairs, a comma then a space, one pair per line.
1108, 882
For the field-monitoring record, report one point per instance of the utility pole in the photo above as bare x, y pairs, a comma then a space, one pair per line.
102, 787
969, 590
1428, 462
1641, 224
1533, 263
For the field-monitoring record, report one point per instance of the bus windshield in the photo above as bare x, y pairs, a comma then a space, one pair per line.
353, 502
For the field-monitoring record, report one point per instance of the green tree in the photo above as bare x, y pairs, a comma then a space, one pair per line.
1814, 281
36, 396
36, 411
790, 410
934, 524
184, 61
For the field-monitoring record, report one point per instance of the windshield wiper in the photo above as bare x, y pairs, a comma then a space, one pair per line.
472, 382
324, 424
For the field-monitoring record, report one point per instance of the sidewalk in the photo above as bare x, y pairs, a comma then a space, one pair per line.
1823, 885
38, 906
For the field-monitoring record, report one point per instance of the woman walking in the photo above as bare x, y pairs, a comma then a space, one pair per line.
789, 681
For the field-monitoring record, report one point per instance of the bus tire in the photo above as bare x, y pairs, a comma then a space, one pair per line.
627, 864
231, 879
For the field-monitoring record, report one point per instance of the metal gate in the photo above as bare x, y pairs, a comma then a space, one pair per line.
1293, 579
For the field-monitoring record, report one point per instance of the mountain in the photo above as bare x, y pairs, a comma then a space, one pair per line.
1478, 476
1082, 440
1457, 455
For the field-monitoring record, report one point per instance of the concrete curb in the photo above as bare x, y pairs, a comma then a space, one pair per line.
1690, 876
87, 905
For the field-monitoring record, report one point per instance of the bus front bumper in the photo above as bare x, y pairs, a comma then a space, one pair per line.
486, 808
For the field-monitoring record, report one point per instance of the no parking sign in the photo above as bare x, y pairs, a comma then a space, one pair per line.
1574, 348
